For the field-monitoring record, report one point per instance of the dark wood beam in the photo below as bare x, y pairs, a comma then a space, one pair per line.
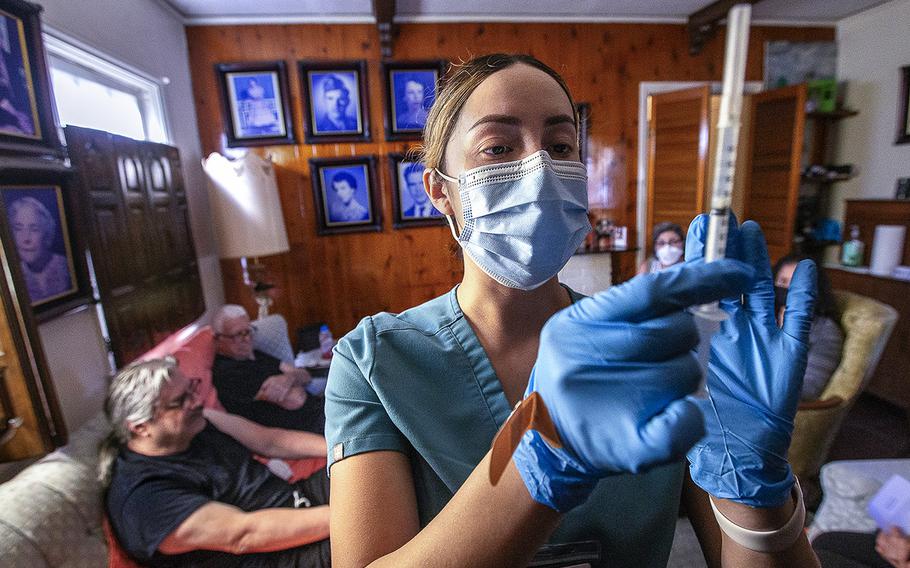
702, 25
384, 10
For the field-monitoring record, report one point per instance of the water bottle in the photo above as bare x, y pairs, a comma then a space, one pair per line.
326, 342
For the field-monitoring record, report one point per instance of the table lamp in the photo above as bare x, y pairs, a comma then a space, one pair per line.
247, 216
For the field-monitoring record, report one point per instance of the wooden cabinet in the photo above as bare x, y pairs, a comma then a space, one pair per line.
892, 376
135, 214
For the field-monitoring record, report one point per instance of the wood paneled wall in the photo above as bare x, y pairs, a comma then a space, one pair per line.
339, 279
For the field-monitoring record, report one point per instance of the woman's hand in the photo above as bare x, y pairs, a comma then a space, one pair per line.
754, 377
614, 371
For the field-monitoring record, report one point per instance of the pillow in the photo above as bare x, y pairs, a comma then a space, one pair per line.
195, 358
116, 556
171, 343
272, 338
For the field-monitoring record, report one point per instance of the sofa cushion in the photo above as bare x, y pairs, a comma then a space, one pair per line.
195, 358
52, 511
272, 338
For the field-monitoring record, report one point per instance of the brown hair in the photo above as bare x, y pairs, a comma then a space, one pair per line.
459, 82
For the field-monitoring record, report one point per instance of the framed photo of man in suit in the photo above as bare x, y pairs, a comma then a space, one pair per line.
335, 101
344, 190
411, 204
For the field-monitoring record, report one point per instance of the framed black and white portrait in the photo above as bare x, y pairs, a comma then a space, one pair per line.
903, 108
335, 101
345, 194
41, 239
411, 206
26, 111
255, 103
410, 92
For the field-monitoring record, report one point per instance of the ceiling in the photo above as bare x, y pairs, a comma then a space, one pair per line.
791, 12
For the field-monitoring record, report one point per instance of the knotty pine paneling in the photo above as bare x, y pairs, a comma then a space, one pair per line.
340, 279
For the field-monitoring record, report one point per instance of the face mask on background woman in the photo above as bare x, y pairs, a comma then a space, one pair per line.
668, 254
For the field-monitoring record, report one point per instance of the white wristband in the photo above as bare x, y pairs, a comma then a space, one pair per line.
766, 541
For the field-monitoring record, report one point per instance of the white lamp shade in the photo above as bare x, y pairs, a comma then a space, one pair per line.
245, 206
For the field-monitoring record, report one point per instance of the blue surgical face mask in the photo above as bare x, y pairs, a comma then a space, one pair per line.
523, 220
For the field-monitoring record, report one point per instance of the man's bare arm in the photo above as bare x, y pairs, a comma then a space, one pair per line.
269, 442
217, 526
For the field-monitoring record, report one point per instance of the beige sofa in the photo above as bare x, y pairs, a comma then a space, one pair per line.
50, 514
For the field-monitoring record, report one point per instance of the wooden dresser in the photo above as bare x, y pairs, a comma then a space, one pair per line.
891, 381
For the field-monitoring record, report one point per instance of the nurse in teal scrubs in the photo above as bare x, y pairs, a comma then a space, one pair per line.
415, 399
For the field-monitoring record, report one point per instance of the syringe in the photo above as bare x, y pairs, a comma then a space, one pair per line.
709, 316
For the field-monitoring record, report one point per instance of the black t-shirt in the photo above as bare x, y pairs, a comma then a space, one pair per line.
238, 382
150, 497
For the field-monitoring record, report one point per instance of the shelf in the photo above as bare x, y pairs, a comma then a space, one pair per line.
826, 179
833, 115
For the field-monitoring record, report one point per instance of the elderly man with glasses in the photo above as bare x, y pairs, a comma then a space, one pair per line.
256, 385
183, 489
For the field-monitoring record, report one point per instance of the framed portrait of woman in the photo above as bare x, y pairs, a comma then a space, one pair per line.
410, 91
26, 112
345, 194
255, 103
40, 239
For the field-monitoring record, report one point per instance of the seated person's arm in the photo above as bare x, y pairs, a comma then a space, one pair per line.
268, 442
283, 390
373, 494
300, 375
894, 546
217, 526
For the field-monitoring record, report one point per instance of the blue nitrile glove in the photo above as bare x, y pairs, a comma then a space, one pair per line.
614, 371
755, 373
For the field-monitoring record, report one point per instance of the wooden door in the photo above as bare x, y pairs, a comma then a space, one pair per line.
773, 164
134, 208
677, 155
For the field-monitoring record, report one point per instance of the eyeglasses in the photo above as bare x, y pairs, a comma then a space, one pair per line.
672, 243
242, 334
188, 395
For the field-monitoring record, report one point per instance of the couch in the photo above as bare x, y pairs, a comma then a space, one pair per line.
847, 487
867, 325
51, 512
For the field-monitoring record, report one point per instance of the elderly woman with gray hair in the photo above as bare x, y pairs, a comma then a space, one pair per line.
47, 274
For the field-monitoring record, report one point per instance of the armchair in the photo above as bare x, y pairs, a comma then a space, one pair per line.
867, 324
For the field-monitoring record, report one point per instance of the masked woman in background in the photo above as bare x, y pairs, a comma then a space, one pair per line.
667, 242
415, 399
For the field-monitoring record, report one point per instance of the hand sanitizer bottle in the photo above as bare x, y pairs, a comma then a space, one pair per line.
852, 250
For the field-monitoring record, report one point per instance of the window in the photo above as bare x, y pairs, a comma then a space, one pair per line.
95, 93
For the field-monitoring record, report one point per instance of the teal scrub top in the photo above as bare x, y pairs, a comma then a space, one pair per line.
420, 383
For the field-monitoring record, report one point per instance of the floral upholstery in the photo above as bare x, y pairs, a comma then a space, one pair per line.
867, 324
847, 487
